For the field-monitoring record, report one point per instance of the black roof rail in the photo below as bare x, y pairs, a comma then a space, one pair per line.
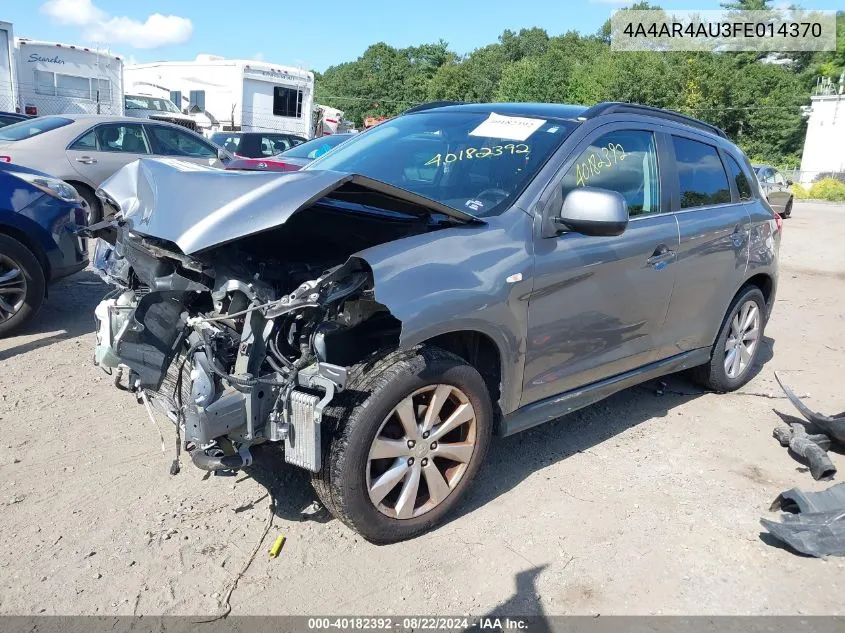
430, 105
618, 107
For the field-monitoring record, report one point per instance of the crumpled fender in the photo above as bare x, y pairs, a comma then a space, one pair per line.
458, 279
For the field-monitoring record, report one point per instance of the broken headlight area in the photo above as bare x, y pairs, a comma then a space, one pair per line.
236, 346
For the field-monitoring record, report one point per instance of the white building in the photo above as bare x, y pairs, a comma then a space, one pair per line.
239, 94
66, 79
823, 146
8, 72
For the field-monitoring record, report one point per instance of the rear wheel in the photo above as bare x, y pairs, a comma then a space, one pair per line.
738, 345
22, 285
405, 445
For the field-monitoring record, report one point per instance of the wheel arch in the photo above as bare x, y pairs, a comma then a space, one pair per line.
481, 351
21, 236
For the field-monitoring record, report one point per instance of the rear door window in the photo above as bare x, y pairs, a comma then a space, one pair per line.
701, 175
121, 137
743, 184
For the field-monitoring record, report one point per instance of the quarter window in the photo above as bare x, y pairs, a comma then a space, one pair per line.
743, 185
701, 175
623, 161
287, 102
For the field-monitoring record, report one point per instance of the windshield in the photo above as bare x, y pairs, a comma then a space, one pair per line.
150, 103
32, 127
474, 162
316, 147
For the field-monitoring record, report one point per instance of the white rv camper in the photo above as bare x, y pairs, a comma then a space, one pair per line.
236, 95
66, 79
8, 81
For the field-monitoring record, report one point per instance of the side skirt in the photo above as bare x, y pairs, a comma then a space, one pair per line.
552, 408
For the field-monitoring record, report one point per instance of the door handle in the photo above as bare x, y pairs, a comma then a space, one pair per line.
86, 160
661, 256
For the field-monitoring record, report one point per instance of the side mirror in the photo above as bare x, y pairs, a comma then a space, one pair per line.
223, 155
593, 211
788, 183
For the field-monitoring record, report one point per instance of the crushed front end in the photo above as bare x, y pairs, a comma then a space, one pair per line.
249, 339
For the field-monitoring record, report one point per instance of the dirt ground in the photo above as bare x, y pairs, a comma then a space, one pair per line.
642, 504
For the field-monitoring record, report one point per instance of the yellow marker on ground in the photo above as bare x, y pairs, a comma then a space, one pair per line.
277, 546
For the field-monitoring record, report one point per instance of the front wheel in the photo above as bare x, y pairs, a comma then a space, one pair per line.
406, 443
22, 285
738, 345
787, 210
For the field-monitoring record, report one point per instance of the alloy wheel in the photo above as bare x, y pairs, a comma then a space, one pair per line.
421, 451
12, 288
743, 339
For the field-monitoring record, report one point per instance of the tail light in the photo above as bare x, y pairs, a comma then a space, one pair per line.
778, 221
5, 159
31, 110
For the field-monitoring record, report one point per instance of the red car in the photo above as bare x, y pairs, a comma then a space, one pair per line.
293, 159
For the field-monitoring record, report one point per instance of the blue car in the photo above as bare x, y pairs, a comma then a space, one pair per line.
39, 215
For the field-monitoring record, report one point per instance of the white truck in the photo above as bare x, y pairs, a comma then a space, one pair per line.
57, 78
235, 94
8, 80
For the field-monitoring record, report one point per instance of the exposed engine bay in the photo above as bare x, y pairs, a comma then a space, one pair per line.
249, 340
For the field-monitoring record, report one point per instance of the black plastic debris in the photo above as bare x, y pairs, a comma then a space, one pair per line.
833, 427
811, 441
796, 500
818, 527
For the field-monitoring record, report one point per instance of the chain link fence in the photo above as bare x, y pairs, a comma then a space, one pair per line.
87, 96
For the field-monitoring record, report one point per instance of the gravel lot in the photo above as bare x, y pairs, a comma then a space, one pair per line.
640, 504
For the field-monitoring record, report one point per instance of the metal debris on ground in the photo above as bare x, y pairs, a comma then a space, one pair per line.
817, 527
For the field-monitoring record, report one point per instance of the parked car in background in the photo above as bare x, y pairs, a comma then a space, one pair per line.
7, 118
38, 245
156, 109
293, 159
776, 188
84, 150
452, 273
256, 144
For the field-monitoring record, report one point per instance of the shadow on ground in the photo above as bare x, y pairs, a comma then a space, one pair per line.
67, 312
511, 459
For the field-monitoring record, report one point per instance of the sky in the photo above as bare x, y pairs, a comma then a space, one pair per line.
307, 35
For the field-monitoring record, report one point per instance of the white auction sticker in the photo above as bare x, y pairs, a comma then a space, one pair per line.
512, 128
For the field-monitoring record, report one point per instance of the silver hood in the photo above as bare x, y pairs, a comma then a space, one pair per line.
198, 207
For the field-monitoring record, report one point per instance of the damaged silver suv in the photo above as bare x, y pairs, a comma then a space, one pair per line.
456, 272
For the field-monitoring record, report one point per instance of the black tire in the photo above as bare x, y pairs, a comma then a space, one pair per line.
713, 375
33, 274
350, 427
787, 210
95, 210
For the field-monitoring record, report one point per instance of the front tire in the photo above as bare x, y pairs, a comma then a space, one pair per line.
737, 347
787, 210
22, 285
404, 444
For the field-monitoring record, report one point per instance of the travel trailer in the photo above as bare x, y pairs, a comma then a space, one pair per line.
8, 82
65, 79
235, 95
